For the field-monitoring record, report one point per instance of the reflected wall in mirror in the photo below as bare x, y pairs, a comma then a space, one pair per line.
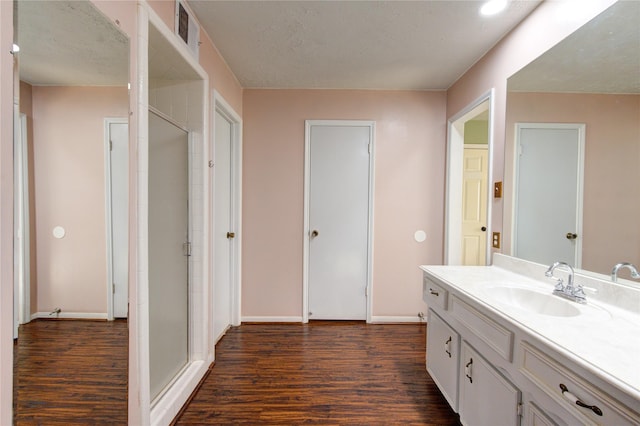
72, 100
592, 78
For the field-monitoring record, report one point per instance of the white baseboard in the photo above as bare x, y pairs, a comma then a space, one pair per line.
70, 315
395, 319
271, 319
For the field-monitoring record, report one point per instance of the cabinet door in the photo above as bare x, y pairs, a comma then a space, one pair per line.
443, 349
486, 397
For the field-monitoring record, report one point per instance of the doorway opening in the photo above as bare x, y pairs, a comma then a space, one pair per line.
468, 194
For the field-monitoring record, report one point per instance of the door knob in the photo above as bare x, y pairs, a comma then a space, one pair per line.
231, 235
483, 229
571, 236
314, 233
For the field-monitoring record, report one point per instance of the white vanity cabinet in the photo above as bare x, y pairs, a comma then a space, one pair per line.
486, 396
443, 350
496, 368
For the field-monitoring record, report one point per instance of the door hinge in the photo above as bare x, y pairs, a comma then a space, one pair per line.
186, 249
519, 409
366, 291
113, 288
110, 145
369, 147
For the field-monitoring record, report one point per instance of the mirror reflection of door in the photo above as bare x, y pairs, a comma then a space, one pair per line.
548, 202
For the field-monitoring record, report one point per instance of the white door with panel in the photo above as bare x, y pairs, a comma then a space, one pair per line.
474, 206
168, 251
548, 200
338, 218
223, 232
119, 209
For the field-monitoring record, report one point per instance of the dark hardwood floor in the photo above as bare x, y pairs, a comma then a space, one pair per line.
341, 373
329, 373
71, 373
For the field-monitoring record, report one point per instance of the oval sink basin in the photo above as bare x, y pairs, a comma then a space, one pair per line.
534, 301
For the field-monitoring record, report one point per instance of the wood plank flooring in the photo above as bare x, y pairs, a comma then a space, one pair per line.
346, 373
71, 373
343, 373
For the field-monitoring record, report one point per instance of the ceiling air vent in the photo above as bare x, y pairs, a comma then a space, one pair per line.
187, 28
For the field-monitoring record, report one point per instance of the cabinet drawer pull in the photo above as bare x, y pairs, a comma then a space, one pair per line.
572, 398
447, 347
432, 291
467, 370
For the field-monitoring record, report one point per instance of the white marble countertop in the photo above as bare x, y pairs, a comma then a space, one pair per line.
605, 339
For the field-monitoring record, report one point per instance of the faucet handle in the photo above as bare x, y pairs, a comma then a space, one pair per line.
560, 284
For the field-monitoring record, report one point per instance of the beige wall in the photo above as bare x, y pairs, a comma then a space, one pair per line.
476, 132
409, 188
547, 25
69, 182
611, 229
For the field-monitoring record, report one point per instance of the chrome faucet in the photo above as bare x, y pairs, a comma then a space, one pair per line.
630, 266
568, 291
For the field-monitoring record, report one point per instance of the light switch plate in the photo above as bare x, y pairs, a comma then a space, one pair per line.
497, 190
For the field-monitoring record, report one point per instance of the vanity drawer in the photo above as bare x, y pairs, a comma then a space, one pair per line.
495, 335
433, 294
548, 375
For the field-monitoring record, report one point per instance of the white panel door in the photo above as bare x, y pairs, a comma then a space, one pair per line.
168, 265
549, 164
222, 226
119, 138
338, 221
474, 206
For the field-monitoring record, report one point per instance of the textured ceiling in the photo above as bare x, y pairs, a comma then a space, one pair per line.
601, 57
69, 43
424, 45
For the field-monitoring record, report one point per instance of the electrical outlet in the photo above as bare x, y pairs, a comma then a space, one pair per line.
495, 241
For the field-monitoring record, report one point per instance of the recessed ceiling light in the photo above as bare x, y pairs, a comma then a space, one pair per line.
492, 7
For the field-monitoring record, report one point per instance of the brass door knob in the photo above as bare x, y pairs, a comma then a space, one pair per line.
231, 235
314, 233
571, 236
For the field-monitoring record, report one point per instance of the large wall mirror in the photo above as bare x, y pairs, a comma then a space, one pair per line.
71, 161
589, 81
